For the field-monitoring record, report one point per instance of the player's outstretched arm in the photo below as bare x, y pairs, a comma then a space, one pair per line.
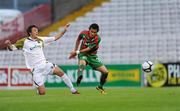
10, 46
77, 44
59, 35
74, 53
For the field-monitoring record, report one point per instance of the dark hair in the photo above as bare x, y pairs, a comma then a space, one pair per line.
94, 26
29, 29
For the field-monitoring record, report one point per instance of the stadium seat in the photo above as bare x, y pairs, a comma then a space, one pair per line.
132, 31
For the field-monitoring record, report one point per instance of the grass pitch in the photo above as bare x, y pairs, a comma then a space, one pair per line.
117, 99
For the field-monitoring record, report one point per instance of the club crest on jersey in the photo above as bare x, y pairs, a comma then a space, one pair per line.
36, 46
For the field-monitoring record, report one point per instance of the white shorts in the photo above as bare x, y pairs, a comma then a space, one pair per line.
40, 73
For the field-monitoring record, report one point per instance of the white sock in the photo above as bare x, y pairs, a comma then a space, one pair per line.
68, 82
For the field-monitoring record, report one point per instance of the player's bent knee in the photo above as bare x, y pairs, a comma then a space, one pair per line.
42, 92
105, 72
82, 66
59, 74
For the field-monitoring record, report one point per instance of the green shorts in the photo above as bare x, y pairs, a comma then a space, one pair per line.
92, 60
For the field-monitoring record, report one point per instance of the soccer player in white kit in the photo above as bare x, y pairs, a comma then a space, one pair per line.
32, 47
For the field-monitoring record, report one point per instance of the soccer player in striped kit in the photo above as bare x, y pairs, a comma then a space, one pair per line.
87, 54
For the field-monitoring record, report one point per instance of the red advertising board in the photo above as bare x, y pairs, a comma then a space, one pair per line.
3, 77
13, 27
20, 77
16, 29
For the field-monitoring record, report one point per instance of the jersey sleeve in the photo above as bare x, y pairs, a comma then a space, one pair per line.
81, 35
47, 40
20, 43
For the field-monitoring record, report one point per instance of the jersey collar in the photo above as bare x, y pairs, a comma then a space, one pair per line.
29, 38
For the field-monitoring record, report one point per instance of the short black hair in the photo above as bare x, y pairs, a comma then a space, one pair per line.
29, 29
94, 26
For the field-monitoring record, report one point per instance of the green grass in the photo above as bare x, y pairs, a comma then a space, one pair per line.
117, 99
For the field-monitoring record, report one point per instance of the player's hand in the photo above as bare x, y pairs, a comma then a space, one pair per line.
66, 26
8, 42
72, 55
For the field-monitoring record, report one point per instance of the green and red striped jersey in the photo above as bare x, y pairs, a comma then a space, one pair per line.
91, 42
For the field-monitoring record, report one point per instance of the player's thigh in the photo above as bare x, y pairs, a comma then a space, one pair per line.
95, 63
82, 59
102, 69
38, 77
53, 69
82, 62
39, 80
49, 68
58, 71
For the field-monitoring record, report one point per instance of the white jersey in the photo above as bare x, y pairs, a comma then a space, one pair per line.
33, 50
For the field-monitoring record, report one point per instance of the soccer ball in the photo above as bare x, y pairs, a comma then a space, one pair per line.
147, 66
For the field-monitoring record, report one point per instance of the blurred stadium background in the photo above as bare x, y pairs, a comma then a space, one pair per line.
132, 32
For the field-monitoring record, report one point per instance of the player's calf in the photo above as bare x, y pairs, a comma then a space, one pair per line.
79, 80
103, 79
80, 74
